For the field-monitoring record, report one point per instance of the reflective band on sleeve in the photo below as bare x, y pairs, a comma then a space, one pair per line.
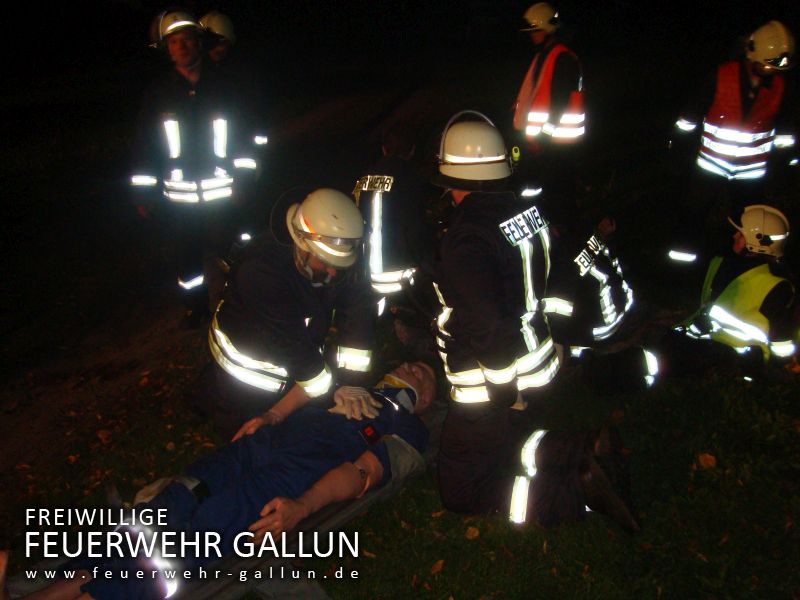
735, 327
784, 141
685, 125
500, 376
318, 385
353, 359
530, 192
216, 183
782, 349
172, 130
471, 395
518, 510
191, 283
558, 306
381, 306
187, 197
158, 563
245, 163
528, 454
542, 377
679, 256
148, 180
260, 140
220, 137
651, 362
576, 351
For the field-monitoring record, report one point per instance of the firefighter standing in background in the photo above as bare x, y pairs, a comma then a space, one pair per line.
745, 121
549, 112
492, 334
188, 154
269, 330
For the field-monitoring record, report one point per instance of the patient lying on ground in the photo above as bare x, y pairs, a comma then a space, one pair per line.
266, 482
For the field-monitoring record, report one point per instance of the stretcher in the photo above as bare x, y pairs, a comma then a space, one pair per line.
405, 463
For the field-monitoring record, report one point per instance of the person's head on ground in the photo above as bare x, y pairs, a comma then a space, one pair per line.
327, 230
421, 378
760, 231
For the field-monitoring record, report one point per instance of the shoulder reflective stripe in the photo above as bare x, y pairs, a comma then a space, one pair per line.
541, 377
353, 359
518, 509
318, 385
173, 132
558, 306
191, 283
245, 163
528, 454
217, 194
260, 140
736, 327
735, 135
784, 141
220, 137
782, 349
471, 395
263, 381
679, 256
685, 125
143, 180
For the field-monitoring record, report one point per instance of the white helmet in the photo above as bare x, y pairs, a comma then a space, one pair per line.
541, 17
472, 154
328, 225
219, 24
765, 229
169, 22
772, 45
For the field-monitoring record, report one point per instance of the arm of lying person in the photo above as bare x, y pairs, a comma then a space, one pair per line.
348, 480
291, 401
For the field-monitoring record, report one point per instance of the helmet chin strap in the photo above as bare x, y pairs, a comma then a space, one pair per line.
316, 278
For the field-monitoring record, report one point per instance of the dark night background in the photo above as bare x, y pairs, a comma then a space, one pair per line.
81, 275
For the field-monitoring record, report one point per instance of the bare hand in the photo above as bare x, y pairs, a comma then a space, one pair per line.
250, 427
355, 403
278, 515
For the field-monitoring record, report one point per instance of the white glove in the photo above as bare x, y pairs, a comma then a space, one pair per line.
355, 403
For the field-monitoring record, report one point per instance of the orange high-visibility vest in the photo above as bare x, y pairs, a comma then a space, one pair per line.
533, 113
735, 145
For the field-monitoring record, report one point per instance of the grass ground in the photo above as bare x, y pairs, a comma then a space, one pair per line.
99, 384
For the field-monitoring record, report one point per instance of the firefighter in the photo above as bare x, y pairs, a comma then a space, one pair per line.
219, 28
743, 116
188, 155
747, 300
268, 333
492, 334
549, 113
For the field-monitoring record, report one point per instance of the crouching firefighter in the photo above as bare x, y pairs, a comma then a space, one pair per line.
747, 302
268, 333
492, 335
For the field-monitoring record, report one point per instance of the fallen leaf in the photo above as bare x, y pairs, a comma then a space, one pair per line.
72, 458
544, 547
585, 572
414, 581
170, 446
723, 540
22, 467
104, 435
701, 557
472, 533
437, 514
368, 554
437, 566
427, 586
404, 525
706, 461
144, 381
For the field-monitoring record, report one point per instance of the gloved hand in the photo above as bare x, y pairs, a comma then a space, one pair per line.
354, 403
